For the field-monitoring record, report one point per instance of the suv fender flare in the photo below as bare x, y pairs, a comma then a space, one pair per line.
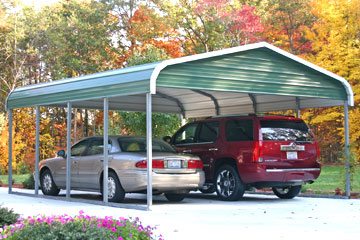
222, 161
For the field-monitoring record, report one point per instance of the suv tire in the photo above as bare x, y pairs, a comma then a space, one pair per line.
287, 192
229, 186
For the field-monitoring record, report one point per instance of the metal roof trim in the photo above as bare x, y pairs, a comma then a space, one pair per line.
243, 48
84, 78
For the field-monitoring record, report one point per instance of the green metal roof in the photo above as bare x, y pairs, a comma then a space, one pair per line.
255, 77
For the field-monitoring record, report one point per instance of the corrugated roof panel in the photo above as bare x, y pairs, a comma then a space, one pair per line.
228, 81
231, 73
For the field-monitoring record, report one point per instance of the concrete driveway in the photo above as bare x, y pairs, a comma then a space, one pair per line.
204, 217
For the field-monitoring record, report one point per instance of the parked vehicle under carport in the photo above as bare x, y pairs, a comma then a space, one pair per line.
173, 174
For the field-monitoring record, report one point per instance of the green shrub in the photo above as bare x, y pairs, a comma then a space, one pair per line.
1, 183
7, 216
22, 168
29, 182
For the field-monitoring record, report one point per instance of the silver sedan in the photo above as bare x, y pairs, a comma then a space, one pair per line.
174, 174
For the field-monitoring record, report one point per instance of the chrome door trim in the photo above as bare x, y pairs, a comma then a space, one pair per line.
293, 170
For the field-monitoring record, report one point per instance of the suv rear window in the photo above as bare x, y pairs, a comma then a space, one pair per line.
277, 130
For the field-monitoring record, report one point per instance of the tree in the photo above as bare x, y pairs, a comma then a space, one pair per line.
207, 25
286, 22
336, 47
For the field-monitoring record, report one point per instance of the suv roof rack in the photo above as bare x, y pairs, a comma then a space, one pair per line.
250, 115
232, 115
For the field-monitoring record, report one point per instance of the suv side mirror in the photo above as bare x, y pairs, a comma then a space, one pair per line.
61, 153
167, 139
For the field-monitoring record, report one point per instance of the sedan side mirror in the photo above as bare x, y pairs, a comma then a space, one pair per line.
167, 139
61, 153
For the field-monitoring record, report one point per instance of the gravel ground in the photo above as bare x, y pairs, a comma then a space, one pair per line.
202, 216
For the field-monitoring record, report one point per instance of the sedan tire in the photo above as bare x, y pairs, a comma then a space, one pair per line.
174, 197
287, 192
208, 189
229, 186
116, 192
48, 186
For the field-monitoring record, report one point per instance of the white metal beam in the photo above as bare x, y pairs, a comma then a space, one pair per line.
10, 149
106, 155
149, 150
68, 151
37, 150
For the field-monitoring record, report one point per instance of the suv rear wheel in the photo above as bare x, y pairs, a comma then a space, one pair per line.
287, 192
229, 186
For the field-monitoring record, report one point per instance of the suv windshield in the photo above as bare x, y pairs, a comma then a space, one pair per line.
138, 144
278, 130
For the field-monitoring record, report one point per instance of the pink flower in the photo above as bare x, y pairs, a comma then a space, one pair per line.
120, 238
81, 212
113, 229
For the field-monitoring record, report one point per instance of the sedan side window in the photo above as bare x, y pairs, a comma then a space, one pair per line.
187, 135
97, 147
79, 148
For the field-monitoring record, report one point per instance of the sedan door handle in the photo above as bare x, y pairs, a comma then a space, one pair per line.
109, 159
187, 151
213, 149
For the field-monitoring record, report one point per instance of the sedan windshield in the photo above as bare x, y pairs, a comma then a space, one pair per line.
138, 144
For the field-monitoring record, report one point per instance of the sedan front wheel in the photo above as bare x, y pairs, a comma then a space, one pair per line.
48, 186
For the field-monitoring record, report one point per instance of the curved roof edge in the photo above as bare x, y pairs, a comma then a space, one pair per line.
164, 64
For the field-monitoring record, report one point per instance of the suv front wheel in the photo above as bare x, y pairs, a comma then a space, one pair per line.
229, 186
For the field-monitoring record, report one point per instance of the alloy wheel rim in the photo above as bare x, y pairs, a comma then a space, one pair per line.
225, 183
111, 187
47, 182
283, 190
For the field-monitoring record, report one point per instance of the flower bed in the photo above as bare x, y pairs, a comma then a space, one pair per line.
78, 227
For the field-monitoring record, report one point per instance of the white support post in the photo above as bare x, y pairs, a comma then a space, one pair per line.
68, 151
183, 120
298, 107
10, 149
37, 150
75, 125
106, 157
149, 149
347, 149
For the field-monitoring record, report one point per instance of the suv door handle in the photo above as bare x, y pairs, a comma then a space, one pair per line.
187, 151
213, 149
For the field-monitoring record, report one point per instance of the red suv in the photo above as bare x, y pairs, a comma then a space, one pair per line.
240, 152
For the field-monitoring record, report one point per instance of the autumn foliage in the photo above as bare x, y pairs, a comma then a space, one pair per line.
73, 38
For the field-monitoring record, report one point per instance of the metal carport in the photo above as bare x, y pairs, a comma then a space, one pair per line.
247, 79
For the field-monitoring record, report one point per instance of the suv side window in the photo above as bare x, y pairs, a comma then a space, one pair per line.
239, 130
209, 132
187, 135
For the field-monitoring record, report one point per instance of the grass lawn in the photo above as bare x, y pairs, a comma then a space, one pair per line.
331, 178
19, 179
